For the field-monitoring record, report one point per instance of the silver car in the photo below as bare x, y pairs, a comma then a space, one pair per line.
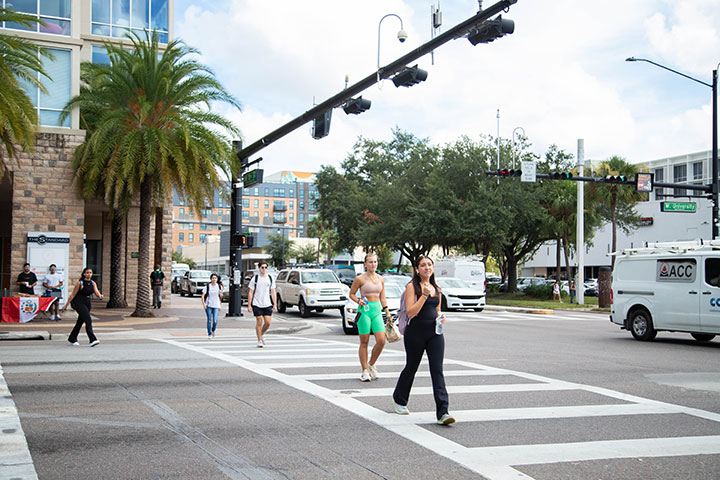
194, 281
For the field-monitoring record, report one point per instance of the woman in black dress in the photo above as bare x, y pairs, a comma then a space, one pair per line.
80, 302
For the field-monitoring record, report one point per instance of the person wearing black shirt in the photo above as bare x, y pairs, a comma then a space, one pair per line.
27, 280
80, 302
156, 279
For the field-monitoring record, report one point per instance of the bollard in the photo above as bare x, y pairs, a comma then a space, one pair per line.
604, 287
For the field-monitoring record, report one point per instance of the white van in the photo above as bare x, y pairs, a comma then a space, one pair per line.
671, 286
470, 270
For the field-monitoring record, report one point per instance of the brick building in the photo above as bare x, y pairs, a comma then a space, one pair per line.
37, 193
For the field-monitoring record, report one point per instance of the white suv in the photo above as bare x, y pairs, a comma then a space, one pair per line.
310, 289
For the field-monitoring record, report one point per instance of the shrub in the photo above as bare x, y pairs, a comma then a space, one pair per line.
542, 292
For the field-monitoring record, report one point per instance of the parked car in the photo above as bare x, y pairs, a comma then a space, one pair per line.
310, 289
392, 295
524, 282
225, 280
400, 280
457, 294
245, 289
193, 282
175, 275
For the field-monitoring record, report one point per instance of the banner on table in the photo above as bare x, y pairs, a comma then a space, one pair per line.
24, 309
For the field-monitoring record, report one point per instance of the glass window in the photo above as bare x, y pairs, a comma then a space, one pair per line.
266, 214
140, 14
659, 177
245, 214
246, 191
292, 205
49, 106
100, 55
292, 216
55, 8
679, 176
257, 203
182, 211
278, 204
181, 237
159, 15
24, 6
246, 203
698, 171
121, 12
191, 237
256, 191
101, 11
301, 217
279, 217
202, 237
267, 203
117, 17
301, 205
292, 192
267, 191
278, 192
712, 271
55, 14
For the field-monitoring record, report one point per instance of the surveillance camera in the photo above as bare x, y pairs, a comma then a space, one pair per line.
402, 36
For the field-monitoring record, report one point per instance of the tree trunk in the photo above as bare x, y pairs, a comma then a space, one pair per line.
158, 236
566, 252
558, 260
613, 206
117, 299
142, 304
511, 263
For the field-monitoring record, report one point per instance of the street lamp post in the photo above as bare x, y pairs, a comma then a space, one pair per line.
514, 141
715, 166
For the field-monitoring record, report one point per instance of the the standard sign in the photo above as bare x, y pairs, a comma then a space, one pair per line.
676, 270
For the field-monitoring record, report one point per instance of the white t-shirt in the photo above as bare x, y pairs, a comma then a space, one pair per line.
261, 291
212, 299
53, 279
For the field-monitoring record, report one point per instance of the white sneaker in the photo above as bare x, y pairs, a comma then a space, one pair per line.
96, 342
260, 344
401, 409
365, 376
262, 339
373, 372
58, 317
52, 317
74, 344
446, 419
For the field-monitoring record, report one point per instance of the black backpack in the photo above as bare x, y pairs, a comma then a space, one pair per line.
254, 282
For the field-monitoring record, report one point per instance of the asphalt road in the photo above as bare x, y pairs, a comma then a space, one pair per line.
563, 396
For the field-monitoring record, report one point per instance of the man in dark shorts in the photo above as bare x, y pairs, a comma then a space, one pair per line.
262, 299
27, 280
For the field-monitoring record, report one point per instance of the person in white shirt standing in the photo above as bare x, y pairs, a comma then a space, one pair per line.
211, 301
52, 284
262, 301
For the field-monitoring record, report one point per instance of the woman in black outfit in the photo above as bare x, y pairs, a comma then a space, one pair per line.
80, 302
422, 301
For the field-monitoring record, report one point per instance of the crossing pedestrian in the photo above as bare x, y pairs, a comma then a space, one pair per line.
371, 303
422, 303
80, 302
211, 301
262, 301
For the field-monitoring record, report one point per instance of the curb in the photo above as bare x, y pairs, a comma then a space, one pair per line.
505, 308
39, 335
287, 330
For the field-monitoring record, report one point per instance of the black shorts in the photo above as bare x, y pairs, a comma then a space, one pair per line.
262, 311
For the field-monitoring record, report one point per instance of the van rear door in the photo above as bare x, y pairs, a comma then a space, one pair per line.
710, 296
678, 294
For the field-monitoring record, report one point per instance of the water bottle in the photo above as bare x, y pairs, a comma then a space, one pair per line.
439, 325
366, 306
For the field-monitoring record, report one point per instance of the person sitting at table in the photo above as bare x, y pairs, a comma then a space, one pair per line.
27, 281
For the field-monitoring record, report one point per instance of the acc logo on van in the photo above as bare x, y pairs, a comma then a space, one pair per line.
676, 270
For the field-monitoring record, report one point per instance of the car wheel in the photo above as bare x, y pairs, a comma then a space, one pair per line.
281, 305
478, 309
641, 326
189, 293
319, 310
703, 337
304, 309
348, 328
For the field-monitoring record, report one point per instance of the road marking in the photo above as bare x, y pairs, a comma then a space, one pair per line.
496, 462
15, 459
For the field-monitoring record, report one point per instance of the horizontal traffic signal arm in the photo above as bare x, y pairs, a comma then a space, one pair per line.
628, 181
337, 100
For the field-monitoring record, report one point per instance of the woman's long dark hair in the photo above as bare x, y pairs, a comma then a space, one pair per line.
416, 277
82, 275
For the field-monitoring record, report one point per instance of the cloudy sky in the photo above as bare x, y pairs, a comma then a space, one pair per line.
561, 76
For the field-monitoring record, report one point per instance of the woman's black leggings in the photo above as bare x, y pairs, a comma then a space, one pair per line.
83, 311
420, 337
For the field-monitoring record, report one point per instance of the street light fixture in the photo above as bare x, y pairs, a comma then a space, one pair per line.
715, 165
401, 35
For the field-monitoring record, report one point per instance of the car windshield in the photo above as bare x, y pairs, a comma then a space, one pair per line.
200, 274
325, 276
392, 291
451, 283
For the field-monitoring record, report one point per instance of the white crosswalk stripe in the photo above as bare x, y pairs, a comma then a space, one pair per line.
327, 360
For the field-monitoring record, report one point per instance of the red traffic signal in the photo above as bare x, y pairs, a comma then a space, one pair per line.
509, 172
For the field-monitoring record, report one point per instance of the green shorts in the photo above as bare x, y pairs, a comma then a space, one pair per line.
370, 321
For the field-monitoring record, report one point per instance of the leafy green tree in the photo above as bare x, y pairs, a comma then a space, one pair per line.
280, 249
307, 254
177, 257
155, 132
327, 237
20, 61
614, 202
385, 261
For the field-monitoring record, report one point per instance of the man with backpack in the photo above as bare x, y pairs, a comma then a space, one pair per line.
262, 301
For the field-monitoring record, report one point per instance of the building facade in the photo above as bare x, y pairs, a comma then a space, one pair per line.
283, 204
38, 198
654, 225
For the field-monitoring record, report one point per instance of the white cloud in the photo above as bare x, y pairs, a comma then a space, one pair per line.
560, 76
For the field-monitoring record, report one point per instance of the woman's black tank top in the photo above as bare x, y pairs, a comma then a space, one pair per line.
83, 295
428, 312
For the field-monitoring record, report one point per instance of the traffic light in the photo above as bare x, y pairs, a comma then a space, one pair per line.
321, 125
410, 76
491, 29
509, 172
355, 106
246, 241
617, 179
561, 176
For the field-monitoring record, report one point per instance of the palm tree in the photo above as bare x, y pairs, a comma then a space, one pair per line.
155, 133
19, 61
616, 201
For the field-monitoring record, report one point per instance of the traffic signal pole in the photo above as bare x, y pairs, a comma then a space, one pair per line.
387, 71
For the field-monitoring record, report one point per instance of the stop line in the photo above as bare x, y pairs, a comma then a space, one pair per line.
306, 364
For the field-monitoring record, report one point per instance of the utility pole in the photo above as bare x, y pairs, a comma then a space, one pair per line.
580, 225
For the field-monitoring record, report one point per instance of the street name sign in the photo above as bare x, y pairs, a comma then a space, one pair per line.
684, 207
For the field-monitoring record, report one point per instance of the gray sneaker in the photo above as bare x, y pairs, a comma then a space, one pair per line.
446, 419
401, 409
